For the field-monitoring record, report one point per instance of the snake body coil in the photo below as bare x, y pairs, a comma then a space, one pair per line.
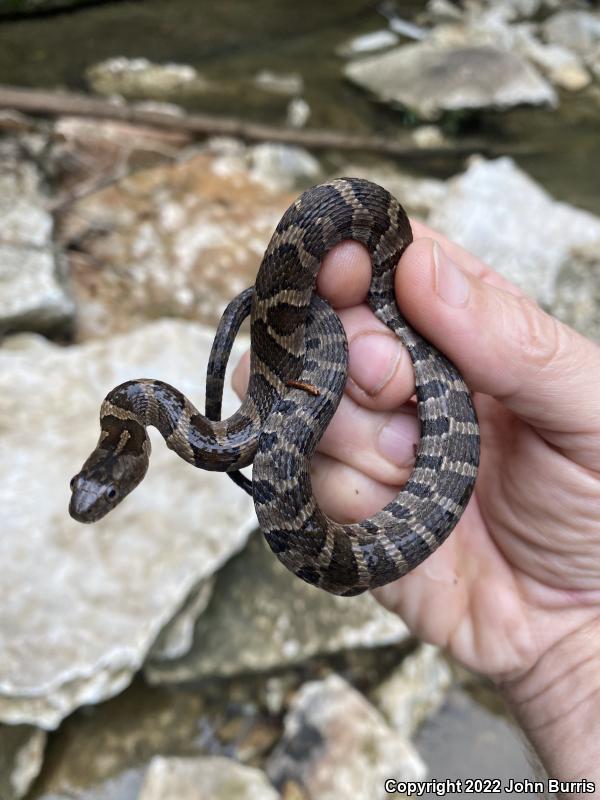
298, 371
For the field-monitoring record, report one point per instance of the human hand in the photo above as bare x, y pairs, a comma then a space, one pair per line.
514, 593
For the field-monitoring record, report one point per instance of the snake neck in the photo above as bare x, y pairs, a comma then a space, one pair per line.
212, 445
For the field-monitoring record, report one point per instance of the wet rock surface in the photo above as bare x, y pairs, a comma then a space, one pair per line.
259, 619
139, 77
430, 80
104, 592
466, 740
328, 720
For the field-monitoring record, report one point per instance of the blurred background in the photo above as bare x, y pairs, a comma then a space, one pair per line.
147, 150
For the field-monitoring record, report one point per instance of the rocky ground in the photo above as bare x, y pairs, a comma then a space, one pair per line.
165, 652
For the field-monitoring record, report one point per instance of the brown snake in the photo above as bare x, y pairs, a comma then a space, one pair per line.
297, 376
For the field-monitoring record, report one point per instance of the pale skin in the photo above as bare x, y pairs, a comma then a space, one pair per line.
514, 593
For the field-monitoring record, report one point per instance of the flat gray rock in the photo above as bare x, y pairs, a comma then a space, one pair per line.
574, 29
206, 778
82, 605
430, 79
261, 617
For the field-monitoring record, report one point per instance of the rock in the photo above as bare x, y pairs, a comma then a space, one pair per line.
403, 27
563, 67
298, 113
281, 167
89, 601
87, 152
31, 296
577, 297
101, 749
21, 756
261, 617
498, 212
367, 43
15, 122
415, 690
574, 29
336, 745
125, 786
429, 137
443, 11
429, 80
513, 9
177, 637
208, 778
466, 740
32, 292
180, 240
288, 84
138, 77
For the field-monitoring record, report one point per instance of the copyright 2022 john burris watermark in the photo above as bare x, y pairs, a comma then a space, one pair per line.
486, 786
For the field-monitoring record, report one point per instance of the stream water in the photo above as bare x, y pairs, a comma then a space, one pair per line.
230, 41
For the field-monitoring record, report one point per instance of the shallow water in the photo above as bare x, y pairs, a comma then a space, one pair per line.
230, 41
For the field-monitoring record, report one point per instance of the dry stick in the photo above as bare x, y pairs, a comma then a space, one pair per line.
49, 103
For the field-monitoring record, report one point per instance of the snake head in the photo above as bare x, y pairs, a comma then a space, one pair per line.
104, 480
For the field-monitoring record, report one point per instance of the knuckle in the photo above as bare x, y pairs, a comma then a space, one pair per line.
542, 339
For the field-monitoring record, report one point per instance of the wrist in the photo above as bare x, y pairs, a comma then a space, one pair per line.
557, 703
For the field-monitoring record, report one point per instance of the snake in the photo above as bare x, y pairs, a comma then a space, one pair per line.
298, 371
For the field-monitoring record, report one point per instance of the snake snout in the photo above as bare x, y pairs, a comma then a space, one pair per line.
90, 499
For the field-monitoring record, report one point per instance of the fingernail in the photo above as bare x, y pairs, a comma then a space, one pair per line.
451, 283
373, 359
398, 438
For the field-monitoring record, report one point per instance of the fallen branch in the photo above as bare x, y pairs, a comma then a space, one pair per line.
49, 103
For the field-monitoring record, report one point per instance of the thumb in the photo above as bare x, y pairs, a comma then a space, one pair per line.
504, 344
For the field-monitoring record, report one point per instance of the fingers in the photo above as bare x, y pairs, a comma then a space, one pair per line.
379, 444
503, 343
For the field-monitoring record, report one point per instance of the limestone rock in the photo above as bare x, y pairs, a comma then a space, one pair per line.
261, 617
498, 212
430, 80
281, 166
138, 77
336, 745
89, 601
277, 83
180, 240
563, 67
574, 29
207, 778
21, 755
32, 294
415, 690
367, 43
577, 298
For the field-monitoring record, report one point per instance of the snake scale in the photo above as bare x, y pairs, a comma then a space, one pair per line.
298, 371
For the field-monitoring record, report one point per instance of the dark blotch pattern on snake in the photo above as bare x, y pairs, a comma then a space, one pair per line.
297, 344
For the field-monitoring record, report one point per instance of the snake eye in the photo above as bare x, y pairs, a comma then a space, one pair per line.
111, 493
72, 482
